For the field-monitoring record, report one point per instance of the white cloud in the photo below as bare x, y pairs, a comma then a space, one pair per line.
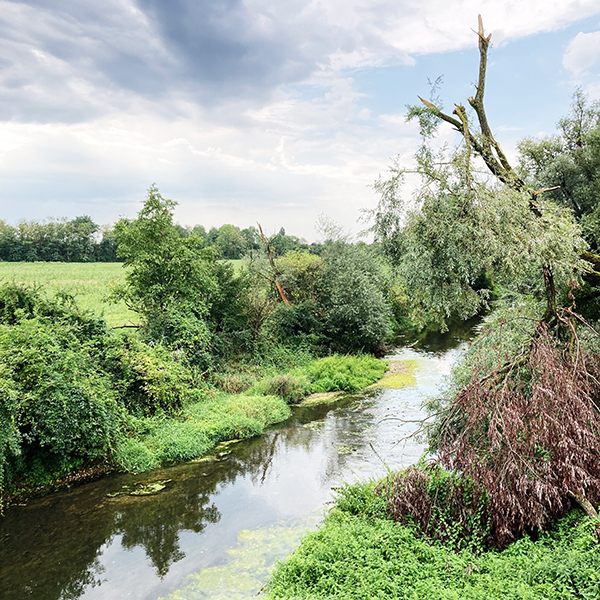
98, 104
582, 53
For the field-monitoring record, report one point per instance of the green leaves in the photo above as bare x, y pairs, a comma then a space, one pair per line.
166, 270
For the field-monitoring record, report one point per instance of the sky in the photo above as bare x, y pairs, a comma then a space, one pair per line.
260, 111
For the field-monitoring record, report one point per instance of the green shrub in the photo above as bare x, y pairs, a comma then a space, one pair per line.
232, 383
291, 388
59, 407
147, 378
346, 373
134, 456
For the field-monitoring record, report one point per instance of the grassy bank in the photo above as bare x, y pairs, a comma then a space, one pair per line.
358, 554
81, 398
220, 416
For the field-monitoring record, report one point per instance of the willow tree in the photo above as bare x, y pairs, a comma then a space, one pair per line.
522, 422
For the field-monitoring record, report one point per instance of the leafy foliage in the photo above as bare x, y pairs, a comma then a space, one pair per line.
357, 313
358, 553
166, 270
56, 240
59, 409
440, 505
571, 161
459, 230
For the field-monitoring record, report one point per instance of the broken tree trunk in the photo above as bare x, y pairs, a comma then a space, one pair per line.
265, 241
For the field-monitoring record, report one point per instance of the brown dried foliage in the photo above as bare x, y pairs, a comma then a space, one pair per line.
520, 443
442, 506
529, 437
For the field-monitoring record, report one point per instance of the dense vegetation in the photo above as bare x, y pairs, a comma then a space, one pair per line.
360, 553
495, 510
77, 394
213, 353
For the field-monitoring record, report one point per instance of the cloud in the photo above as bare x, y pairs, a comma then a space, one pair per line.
241, 110
582, 52
75, 60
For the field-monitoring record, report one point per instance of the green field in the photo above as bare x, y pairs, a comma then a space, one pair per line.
89, 283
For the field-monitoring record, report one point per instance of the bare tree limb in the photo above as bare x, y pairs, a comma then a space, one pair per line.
265, 241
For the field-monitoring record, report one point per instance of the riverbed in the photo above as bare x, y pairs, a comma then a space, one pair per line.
217, 526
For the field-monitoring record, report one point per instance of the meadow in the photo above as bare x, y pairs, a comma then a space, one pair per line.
89, 283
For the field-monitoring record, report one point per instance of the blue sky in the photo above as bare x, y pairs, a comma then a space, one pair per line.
255, 110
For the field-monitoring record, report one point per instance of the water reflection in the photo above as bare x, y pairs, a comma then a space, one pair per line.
82, 544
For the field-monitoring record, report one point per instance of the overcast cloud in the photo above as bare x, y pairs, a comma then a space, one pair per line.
250, 110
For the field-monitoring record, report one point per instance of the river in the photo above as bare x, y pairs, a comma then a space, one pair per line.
220, 524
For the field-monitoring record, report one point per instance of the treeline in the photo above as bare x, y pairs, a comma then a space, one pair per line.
82, 240
62, 240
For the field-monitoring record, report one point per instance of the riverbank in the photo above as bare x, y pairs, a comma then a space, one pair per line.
358, 553
147, 442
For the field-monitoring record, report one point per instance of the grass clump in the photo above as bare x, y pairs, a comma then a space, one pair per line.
358, 553
343, 372
331, 374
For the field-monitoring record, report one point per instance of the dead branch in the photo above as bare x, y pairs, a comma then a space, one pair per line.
265, 241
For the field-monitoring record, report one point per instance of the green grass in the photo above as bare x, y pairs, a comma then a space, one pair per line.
202, 425
359, 554
343, 372
89, 283
330, 374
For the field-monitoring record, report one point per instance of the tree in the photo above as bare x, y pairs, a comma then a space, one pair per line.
356, 312
169, 280
568, 164
229, 242
521, 427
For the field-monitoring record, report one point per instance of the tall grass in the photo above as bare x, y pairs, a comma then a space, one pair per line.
202, 425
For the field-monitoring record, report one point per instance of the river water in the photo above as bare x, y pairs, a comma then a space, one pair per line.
220, 524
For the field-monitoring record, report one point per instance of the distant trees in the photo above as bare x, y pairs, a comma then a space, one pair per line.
82, 240
75, 240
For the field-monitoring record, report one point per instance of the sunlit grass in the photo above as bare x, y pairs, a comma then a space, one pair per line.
89, 283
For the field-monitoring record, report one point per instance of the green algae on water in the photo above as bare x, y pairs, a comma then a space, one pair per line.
141, 489
400, 375
321, 398
251, 564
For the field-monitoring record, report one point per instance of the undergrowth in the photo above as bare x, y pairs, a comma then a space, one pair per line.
358, 553
203, 424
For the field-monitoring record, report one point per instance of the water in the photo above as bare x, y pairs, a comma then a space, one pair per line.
219, 526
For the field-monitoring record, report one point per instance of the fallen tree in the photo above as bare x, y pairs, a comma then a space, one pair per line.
520, 432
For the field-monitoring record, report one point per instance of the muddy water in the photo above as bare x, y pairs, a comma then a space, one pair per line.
219, 525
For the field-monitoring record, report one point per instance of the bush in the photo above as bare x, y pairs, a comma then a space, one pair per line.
345, 373
357, 314
289, 387
59, 408
146, 378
